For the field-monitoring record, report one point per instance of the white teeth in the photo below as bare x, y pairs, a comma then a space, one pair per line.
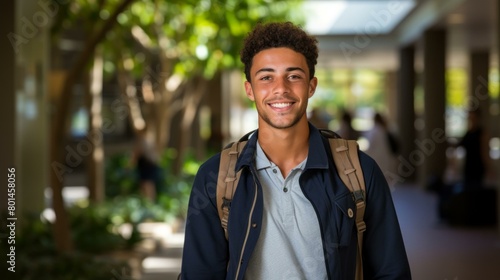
281, 105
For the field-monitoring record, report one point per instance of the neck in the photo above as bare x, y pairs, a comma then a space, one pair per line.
285, 147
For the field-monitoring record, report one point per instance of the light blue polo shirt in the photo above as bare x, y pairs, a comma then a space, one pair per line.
289, 245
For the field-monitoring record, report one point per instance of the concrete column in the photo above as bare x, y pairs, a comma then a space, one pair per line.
405, 112
390, 95
32, 119
433, 145
478, 86
479, 97
23, 144
497, 39
8, 100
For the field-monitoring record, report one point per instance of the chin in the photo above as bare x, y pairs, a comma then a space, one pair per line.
283, 125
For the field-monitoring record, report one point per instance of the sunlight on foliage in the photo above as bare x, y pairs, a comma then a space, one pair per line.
494, 82
456, 87
347, 88
218, 26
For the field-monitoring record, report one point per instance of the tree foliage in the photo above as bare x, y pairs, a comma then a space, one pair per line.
167, 49
201, 37
171, 49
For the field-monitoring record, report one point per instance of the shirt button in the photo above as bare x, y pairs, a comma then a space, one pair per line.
254, 225
275, 171
350, 213
285, 189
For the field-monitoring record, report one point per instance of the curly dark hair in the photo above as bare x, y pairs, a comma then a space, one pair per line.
277, 35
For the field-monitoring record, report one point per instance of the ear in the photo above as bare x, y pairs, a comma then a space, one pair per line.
249, 90
312, 86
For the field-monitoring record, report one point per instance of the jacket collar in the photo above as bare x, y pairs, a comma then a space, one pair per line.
317, 157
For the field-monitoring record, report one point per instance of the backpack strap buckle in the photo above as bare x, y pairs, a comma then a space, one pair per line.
226, 203
358, 196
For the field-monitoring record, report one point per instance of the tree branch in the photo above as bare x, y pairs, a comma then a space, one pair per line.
61, 226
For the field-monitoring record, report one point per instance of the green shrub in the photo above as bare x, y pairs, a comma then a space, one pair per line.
94, 229
74, 266
172, 190
120, 178
37, 258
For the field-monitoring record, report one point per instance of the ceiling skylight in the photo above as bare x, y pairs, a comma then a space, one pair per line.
343, 17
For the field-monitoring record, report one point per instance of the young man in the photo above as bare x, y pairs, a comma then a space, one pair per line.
291, 215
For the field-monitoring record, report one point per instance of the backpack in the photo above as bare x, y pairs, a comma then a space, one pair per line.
345, 157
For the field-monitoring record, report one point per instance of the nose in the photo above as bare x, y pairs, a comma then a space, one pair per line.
282, 86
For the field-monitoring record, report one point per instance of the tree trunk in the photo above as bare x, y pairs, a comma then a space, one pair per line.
95, 161
192, 98
127, 87
62, 233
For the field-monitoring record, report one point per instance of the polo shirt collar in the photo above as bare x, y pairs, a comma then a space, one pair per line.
317, 157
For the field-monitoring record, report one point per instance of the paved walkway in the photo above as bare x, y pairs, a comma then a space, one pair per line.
164, 262
438, 251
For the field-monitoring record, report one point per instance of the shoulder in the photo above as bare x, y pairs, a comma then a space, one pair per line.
370, 168
365, 160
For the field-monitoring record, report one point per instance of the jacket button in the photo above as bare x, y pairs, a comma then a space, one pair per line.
350, 213
254, 225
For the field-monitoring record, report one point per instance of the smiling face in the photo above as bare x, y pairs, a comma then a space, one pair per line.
280, 87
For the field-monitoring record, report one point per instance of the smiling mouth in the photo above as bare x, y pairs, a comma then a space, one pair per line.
280, 105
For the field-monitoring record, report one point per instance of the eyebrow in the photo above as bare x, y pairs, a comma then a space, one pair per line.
289, 69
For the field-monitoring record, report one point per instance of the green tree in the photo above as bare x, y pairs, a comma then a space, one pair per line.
174, 49
171, 48
74, 12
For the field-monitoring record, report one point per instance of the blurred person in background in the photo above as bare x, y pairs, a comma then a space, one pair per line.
146, 160
317, 119
477, 163
471, 201
346, 130
383, 145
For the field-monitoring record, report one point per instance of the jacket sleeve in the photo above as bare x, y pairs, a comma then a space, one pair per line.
205, 252
384, 254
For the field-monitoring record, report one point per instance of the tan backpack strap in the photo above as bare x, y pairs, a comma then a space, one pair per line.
345, 156
227, 181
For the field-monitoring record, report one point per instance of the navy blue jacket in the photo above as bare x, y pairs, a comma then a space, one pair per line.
207, 254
